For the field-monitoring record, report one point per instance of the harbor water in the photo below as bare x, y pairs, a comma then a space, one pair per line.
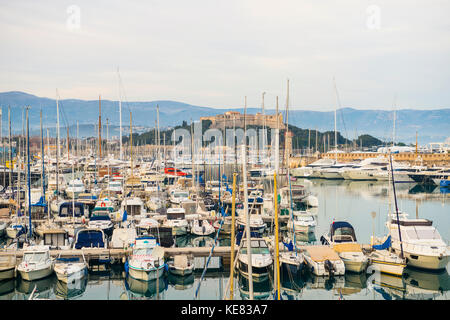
364, 204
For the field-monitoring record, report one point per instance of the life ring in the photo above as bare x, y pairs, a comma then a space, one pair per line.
102, 204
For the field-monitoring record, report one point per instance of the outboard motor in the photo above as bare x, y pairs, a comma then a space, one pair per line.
329, 266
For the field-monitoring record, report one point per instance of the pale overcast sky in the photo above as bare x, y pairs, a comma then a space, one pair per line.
213, 53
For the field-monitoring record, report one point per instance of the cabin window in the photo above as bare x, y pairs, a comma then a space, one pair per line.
133, 209
428, 234
34, 257
54, 239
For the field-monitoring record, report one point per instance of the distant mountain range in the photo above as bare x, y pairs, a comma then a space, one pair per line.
431, 125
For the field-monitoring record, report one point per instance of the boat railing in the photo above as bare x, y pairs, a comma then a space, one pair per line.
424, 248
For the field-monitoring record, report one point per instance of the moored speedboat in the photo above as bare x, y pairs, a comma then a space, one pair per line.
261, 259
342, 239
36, 263
69, 270
176, 220
182, 265
147, 260
202, 227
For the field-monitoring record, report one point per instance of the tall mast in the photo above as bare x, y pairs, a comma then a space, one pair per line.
68, 143
277, 142
100, 127
42, 158
131, 144
335, 126
29, 175
57, 122
247, 225
286, 151
264, 126
107, 137
395, 116
157, 134
9, 150
76, 152
120, 119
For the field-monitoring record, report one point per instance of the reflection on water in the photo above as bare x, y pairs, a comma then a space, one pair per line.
261, 290
145, 289
341, 200
70, 291
180, 282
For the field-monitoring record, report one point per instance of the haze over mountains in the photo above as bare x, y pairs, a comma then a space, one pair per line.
431, 125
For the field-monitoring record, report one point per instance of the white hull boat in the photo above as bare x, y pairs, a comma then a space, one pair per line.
70, 272
36, 263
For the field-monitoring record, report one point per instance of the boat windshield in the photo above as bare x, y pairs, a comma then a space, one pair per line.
257, 247
415, 233
142, 252
181, 195
344, 233
34, 257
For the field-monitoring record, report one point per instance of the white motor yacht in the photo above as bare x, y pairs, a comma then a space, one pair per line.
36, 263
422, 244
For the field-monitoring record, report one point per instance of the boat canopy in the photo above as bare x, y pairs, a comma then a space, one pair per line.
65, 210
89, 238
341, 229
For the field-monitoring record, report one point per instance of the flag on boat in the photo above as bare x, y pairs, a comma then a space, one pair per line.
125, 215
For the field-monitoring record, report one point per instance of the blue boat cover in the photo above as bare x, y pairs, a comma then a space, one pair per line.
383, 246
445, 183
40, 203
99, 217
241, 233
89, 238
289, 246
68, 259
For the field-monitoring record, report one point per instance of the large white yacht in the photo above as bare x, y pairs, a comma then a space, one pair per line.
422, 244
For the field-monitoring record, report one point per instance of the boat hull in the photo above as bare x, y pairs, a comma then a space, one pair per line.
355, 266
36, 274
391, 268
7, 273
71, 277
146, 275
181, 272
426, 262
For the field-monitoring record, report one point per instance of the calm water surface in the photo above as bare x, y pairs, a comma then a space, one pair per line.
363, 204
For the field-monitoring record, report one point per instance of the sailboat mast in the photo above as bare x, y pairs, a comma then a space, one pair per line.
68, 143
29, 176
264, 128
100, 127
277, 142
157, 134
9, 150
42, 158
286, 151
131, 144
57, 121
335, 120
247, 213
77, 146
